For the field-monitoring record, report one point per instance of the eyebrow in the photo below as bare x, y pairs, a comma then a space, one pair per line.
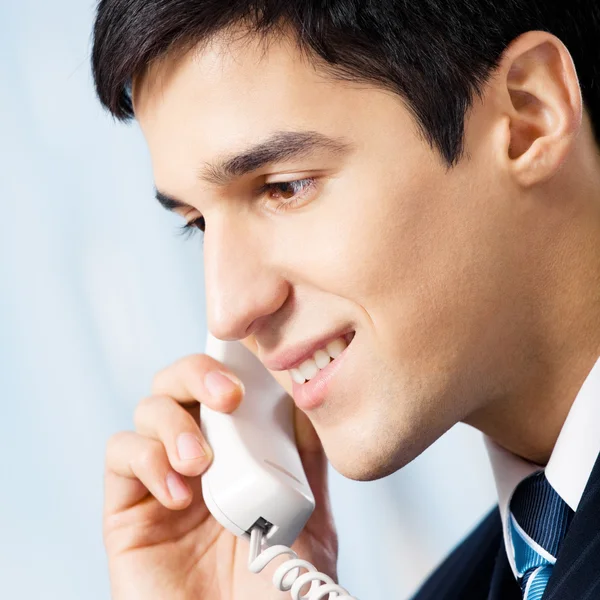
278, 147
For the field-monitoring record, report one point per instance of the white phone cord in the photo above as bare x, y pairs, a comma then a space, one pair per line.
287, 578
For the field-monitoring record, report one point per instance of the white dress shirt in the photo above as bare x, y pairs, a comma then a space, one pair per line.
570, 464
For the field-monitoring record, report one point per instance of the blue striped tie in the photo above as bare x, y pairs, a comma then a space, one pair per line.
538, 519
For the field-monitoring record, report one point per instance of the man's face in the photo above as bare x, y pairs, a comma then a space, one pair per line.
383, 239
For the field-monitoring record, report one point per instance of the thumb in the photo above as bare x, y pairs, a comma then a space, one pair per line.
313, 457
320, 525
306, 437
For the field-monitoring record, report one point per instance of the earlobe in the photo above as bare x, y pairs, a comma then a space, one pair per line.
544, 106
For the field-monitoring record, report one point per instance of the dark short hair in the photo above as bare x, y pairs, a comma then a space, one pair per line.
436, 54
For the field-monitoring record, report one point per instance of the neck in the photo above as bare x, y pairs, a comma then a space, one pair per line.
564, 343
529, 425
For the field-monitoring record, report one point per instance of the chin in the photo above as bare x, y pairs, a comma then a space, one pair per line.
371, 459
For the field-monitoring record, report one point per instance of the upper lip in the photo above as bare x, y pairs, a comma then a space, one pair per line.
291, 357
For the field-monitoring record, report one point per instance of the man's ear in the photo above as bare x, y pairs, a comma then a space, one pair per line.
541, 97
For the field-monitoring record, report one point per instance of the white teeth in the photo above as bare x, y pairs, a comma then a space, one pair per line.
308, 368
297, 376
320, 359
336, 347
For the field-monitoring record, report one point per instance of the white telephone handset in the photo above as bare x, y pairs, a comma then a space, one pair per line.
256, 475
256, 487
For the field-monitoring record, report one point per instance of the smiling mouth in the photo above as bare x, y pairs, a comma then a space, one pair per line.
311, 367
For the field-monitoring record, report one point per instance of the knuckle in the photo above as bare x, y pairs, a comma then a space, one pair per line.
159, 379
191, 362
194, 362
142, 408
150, 455
113, 443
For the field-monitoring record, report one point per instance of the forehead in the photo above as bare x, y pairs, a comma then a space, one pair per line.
234, 91
235, 71
227, 83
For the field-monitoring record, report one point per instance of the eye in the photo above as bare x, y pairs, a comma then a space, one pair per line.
287, 194
189, 229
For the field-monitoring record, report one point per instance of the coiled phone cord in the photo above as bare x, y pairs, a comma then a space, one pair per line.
287, 576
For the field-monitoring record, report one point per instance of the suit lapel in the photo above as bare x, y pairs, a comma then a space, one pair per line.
576, 574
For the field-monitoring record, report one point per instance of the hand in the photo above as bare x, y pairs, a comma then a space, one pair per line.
161, 541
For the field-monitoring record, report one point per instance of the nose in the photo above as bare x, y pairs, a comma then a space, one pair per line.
242, 281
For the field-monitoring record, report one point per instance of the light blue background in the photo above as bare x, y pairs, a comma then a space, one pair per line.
97, 294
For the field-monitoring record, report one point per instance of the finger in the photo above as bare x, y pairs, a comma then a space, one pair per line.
312, 455
200, 378
163, 419
136, 465
315, 465
307, 439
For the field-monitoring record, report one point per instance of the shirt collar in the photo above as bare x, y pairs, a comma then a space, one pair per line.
571, 461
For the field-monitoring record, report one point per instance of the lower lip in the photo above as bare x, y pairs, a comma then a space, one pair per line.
311, 394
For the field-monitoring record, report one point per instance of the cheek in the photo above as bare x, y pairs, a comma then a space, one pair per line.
448, 284
374, 245
416, 252
420, 255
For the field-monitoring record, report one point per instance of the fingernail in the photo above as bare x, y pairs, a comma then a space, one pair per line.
189, 447
219, 384
177, 488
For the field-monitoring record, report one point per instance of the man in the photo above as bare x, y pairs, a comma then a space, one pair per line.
416, 183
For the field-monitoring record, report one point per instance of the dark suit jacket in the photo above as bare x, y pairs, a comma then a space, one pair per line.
478, 568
